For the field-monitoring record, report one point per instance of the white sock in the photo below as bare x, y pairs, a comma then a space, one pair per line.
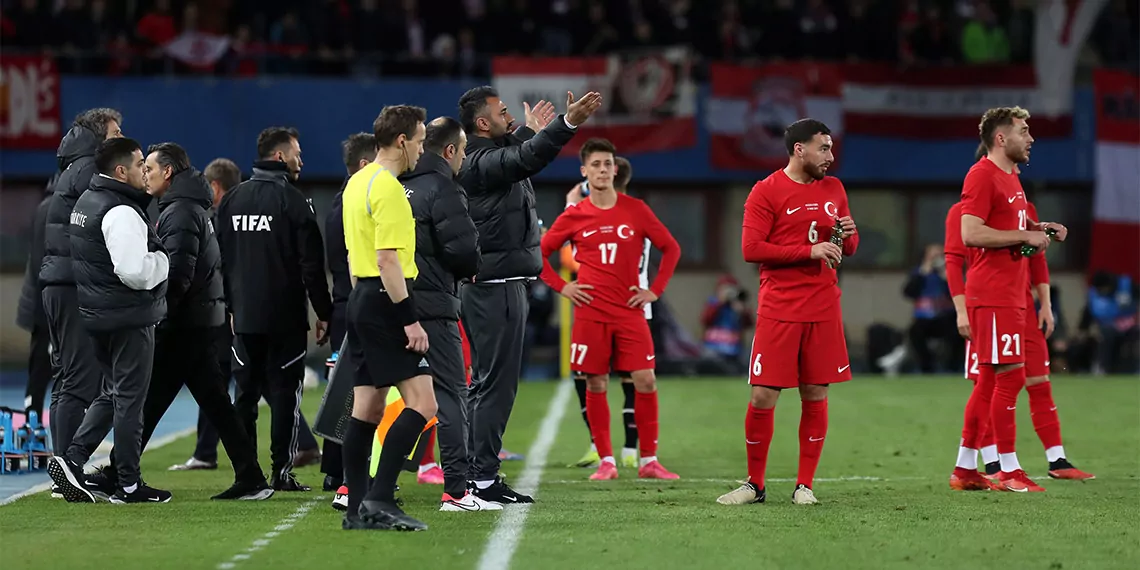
647, 460
989, 454
131, 489
610, 460
593, 448
1054, 453
967, 458
1009, 462
484, 484
628, 452
424, 468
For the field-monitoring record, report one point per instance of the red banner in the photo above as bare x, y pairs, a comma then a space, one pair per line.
750, 106
29, 103
650, 98
1115, 243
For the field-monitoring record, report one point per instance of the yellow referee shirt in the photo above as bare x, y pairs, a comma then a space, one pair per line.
377, 216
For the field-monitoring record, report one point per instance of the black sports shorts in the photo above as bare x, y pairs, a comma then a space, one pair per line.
376, 340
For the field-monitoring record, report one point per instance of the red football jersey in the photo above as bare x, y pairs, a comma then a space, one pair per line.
995, 277
783, 219
609, 244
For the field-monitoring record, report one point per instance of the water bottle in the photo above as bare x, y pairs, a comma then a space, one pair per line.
1028, 250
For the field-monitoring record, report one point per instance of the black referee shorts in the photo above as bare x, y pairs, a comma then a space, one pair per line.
377, 344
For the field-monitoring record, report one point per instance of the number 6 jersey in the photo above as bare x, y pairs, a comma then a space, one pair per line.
609, 244
783, 219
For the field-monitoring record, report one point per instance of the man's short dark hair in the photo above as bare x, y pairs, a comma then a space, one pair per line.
170, 154
115, 152
442, 131
472, 103
224, 172
996, 118
624, 172
982, 151
802, 132
274, 138
396, 120
358, 147
95, 120
596, 145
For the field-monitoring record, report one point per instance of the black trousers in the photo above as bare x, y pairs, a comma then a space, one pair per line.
206, 447
272, 366
188, 357
494, 315
76, 373
449, 376
126, 358
39, 369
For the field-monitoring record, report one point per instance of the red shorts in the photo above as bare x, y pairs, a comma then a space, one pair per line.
1036, 350
786, 355
971, 362
596, 348
999, 334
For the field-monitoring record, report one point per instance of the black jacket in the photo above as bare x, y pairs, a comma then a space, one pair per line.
30, 313
272, 254
447, 246
76, 156
496, 175
194, 293
336, 251
105, 302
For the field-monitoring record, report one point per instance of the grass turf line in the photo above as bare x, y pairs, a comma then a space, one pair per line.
904, 430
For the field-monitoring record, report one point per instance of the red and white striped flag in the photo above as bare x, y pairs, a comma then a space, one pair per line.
750, 106
1115, 239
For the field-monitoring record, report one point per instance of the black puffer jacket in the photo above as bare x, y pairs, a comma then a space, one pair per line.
76, 156
496, 175
31, 309
194, 293
447, 246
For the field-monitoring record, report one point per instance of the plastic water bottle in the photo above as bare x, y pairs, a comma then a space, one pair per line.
1028, 250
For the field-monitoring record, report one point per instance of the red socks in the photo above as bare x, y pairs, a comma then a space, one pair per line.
1003, 411
429, 453
813, 430
1044, 414
758, 426
977, 420
645, 416
598, 411
987, 438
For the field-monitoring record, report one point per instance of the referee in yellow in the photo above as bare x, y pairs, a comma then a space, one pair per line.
386, 343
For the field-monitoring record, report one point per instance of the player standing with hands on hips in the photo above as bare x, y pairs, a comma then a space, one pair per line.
608, 231
799, 342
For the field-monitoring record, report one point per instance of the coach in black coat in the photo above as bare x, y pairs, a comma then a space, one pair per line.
30, 315
447, 250
496, 175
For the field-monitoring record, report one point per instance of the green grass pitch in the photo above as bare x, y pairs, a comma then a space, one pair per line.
882, 484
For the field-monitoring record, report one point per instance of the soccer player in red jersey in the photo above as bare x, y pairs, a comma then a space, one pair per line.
610, 330
799, 342
995, 218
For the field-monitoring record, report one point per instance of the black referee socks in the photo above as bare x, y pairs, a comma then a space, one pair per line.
358, 437
398, 444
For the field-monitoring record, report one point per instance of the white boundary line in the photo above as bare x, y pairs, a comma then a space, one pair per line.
102, 461
738, 481
505, 538
281, 526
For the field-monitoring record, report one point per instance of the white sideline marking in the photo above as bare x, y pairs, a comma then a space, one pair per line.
738, 481
103, 461
262, 542
505, 538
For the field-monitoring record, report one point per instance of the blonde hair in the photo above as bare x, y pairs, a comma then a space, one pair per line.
998, 117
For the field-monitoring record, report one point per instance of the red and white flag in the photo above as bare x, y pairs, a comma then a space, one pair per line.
943, 102
750, 106
1115, 243
649, 98
29, 102
198, 49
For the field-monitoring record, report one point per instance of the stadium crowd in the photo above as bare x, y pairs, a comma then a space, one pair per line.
395, 37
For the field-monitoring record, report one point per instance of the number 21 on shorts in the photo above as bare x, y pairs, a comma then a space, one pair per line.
1011, 344
577, 353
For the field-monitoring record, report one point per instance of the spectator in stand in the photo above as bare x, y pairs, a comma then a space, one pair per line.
983, 39
1109, 322
156, 28
1116, 32
725, 319
934, 317
932, 41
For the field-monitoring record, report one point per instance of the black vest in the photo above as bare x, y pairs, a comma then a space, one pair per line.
105, 302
